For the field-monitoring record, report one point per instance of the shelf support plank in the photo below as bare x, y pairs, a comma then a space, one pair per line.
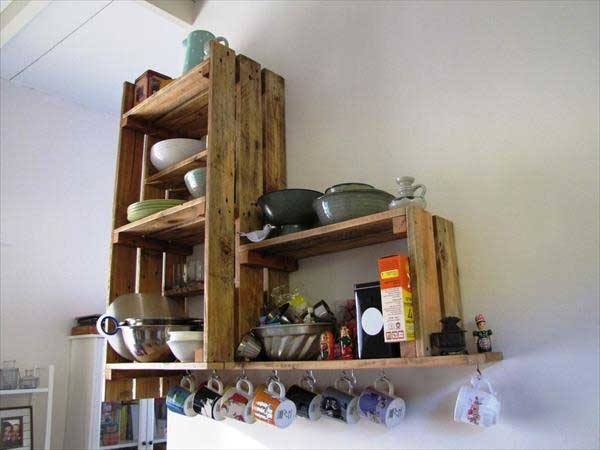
423, 276
447, 267
274, 156
123, 259
249, 186
219, 252
256, 259
150, 267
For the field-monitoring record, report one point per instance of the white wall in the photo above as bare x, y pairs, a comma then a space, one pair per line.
57, 180
494, 106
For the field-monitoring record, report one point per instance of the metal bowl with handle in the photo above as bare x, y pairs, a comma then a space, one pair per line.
146, 339
141, 306
295, 342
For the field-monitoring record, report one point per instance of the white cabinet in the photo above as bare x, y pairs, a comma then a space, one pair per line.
84, 403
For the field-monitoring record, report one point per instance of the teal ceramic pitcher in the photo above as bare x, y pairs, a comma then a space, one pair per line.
197, 47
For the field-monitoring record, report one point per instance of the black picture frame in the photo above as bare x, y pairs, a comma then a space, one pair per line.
16, 428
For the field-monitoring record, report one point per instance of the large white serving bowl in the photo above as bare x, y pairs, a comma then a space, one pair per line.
171, 151
184, 345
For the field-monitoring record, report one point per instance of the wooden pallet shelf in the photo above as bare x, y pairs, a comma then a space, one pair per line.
193, 288
123, 370
172, 177
116, 371
180, 108
384, 363
175, 229
360, 232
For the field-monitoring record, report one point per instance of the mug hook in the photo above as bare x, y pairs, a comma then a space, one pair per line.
243, 376
479, 374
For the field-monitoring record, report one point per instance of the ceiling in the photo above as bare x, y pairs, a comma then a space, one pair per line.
84, 50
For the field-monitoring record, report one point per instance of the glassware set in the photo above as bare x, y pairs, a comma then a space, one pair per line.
189, 272
10, 377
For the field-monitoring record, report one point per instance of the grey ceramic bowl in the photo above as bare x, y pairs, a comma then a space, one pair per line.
292, 228
289, 206
342, 187
195, 181
346, 205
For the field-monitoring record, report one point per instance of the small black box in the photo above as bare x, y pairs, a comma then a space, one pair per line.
369, 323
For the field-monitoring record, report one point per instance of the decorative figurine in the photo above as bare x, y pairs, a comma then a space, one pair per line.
327, 345
451, 341
482, 336
258, 235
346, 347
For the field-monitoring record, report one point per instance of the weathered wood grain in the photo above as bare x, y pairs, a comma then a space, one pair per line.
219, 251
423, 278
249, 186
447, 267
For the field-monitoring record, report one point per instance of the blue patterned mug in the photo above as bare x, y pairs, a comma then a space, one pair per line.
381, 407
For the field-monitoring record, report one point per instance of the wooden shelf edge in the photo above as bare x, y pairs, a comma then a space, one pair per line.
161, 215
384, 363
164, 176
399, 228
171, 89
117, 371
195, 288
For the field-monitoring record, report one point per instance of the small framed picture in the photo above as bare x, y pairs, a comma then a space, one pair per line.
16, 428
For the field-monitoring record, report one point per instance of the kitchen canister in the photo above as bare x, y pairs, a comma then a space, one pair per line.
477, 404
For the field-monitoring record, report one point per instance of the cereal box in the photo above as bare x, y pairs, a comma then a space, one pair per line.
396, 299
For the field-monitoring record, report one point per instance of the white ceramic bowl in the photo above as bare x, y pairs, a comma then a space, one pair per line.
171, 151
184, 344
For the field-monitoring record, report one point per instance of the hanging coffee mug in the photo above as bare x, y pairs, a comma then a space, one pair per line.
181, 401
207, 401
272, 407
476, 406
308, 403
236, 403
382, 406
188, 382
339, 404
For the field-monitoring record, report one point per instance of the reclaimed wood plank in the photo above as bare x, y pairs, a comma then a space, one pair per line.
123, 259
219, 251
274, 156
447, 267
150, 266
423, 277
383, 363
362, 231
173, 176
249, 186
165, 220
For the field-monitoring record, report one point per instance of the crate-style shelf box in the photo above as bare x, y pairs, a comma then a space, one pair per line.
368, 230
178, 110
175, 229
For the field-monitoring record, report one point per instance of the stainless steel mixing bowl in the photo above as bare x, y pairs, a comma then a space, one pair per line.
141, 306
146, 339
295, 342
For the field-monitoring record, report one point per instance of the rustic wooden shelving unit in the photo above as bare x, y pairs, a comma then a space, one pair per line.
241, 108
232, 101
